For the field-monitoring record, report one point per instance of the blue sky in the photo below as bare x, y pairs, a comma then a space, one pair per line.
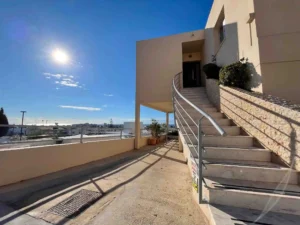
99, 37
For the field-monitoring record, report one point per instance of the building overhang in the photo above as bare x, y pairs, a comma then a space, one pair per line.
166, 107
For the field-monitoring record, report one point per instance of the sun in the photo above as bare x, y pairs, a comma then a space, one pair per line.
60, 56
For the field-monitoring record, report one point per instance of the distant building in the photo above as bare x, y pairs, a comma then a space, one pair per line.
131, 126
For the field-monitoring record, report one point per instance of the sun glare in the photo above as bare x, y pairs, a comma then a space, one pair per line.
60, 56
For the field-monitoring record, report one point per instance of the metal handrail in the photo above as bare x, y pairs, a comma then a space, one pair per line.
213, 122
191, 143
186, 112
186, 123
200, 133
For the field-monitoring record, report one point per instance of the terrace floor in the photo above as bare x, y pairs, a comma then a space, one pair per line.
153, 188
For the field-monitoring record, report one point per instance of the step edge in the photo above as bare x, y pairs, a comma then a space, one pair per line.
265, 194
223, 164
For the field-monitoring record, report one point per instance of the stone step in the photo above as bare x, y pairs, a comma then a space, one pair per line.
260, 195
184, 90
193, 93
197, 104
245, 154
200, 92
219, 141
228, 141
242, 154
185, 112
198, 115
211, 130
205, 109
250, 171
196, 100
194, 88
230, 215
195, 97
204, 122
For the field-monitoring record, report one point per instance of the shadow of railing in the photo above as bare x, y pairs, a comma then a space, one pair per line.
281, 139
37, 199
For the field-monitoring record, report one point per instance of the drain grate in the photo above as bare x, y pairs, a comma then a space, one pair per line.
249, 222
76, 203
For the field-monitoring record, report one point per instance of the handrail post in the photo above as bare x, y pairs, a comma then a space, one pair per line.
121, 133
81, 134
200, 175
173, 96
167, 126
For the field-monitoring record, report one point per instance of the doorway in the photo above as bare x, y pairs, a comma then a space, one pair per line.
191, 74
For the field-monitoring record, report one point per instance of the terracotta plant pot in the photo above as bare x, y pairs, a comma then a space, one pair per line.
151, 141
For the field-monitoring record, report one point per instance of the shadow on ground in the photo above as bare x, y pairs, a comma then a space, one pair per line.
39, 198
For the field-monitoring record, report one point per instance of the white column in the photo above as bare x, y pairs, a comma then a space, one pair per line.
167, 123
137, 126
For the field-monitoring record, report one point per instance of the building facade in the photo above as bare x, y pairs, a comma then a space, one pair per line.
266, 32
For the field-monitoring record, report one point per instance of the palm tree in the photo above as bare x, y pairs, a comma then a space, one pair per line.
3, 121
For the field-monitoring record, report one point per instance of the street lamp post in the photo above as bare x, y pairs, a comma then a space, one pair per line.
22, 124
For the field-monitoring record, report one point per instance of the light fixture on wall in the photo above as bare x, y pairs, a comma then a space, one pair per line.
190, 55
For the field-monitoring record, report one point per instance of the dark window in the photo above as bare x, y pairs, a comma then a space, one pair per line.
222, 31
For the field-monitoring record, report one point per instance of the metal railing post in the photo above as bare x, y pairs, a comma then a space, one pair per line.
173, 96
121, 133
81, 134
200, 175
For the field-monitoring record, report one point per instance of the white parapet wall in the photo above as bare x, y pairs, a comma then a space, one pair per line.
23, 164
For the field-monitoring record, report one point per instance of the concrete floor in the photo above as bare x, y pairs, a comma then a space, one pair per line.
155, 188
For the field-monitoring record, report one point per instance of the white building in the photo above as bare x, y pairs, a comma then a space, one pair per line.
130, 126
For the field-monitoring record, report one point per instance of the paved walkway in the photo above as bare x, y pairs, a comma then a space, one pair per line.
155, 188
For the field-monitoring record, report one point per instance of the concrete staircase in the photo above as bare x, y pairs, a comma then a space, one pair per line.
238, 173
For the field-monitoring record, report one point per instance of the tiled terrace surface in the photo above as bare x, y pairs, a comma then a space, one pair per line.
154, 188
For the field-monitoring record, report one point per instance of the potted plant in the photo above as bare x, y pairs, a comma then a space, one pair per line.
155, 129
162, 129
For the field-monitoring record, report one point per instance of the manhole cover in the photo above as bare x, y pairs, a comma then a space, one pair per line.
76, 203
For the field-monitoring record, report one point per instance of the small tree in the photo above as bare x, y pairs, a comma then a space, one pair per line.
3, 121
155, 128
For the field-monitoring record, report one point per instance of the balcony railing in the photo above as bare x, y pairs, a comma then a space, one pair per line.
19, 136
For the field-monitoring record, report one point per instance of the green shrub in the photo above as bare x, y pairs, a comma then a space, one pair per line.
212, 71
156, 128
3, 121
235, 75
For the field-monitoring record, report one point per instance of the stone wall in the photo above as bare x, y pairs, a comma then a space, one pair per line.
276, 125
213, 92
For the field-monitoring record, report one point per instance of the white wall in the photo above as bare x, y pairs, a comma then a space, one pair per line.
238, 36
131, 126
157, 62
22, 164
